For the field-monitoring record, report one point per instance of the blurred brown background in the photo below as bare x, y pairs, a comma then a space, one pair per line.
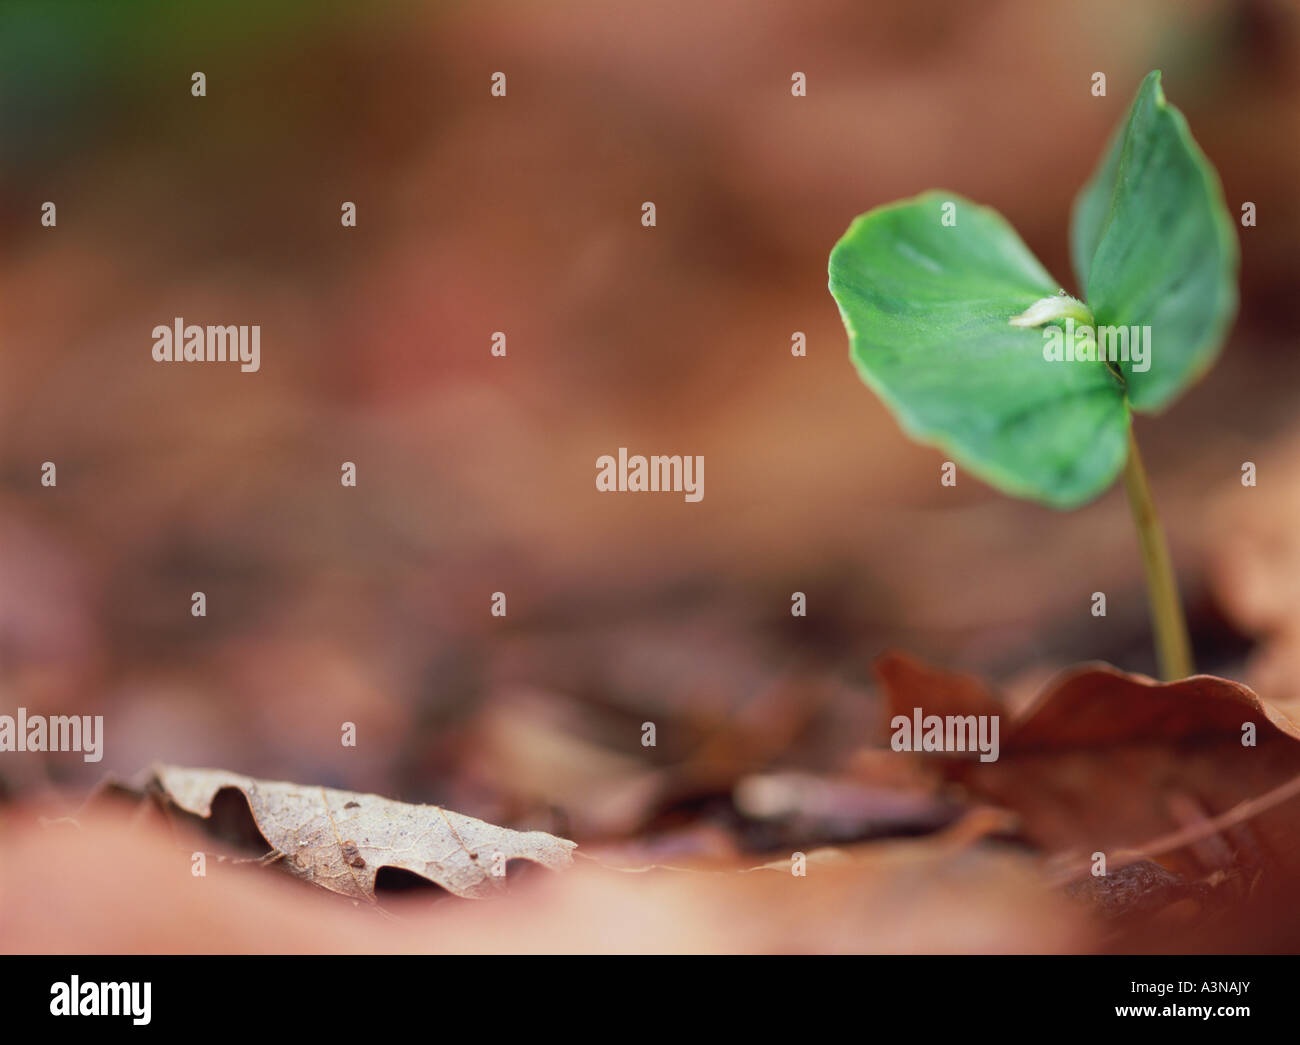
522, 214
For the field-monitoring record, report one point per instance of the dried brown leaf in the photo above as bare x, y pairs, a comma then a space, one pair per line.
1103, 760
338, 840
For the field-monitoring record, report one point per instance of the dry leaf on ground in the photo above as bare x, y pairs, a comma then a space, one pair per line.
339, 839
1105, 761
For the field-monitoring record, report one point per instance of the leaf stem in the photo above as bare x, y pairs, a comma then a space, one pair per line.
1173, 647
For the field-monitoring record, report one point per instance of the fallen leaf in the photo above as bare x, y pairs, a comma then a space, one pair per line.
1106, 761
339, 839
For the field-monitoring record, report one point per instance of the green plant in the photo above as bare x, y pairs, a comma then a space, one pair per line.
962, 333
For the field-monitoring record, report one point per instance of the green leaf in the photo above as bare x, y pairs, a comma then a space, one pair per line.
928, 309
1153, 245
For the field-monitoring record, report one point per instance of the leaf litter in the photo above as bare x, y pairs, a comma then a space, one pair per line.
339, 840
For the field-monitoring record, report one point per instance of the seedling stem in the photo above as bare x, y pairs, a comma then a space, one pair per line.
1173, 647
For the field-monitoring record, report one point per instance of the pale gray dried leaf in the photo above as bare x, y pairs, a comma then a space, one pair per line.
339, 839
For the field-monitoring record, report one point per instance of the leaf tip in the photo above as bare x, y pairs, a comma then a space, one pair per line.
1153, 82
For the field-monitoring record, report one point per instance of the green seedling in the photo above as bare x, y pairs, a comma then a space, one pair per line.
975, 348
